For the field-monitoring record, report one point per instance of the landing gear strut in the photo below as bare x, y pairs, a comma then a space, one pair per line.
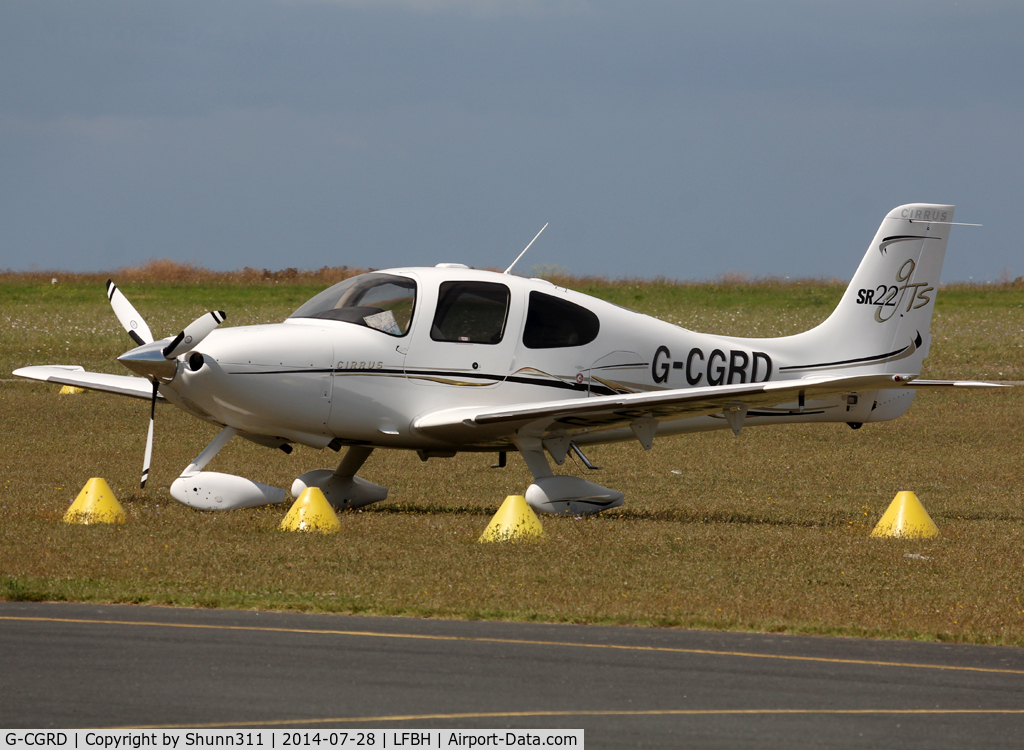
562, 495
211, 490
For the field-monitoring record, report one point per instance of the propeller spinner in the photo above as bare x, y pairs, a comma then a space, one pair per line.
157, 359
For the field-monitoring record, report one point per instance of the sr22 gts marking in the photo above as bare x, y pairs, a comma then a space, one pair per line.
885, 295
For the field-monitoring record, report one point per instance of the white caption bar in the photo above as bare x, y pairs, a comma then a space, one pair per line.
281, 739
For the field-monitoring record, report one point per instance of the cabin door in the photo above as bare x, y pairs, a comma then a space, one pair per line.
466, 335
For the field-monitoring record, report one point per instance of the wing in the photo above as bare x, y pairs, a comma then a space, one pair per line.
123, 385
487, 424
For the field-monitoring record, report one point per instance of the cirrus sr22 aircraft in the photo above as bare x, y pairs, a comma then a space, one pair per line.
448, 359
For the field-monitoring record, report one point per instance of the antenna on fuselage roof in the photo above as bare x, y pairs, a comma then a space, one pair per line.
509, 269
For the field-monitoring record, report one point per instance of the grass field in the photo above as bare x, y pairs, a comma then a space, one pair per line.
767, 531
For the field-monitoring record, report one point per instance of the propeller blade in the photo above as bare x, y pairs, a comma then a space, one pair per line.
128, 315
149, 438
195, 332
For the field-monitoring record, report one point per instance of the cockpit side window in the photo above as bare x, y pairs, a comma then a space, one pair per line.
376, 300
552, 323
471, 312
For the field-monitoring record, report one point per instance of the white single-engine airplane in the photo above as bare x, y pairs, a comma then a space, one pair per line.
448, 359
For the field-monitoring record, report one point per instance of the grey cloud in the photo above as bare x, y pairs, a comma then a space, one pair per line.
304, 133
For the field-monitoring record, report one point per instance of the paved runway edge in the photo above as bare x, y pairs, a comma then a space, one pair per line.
77, 665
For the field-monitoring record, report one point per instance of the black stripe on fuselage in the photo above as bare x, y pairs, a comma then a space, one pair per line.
599, 390
860, 360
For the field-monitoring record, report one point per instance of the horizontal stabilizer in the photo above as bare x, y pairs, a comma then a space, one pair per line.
957, 384
122, 385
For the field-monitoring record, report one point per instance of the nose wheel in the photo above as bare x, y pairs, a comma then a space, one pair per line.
211, 490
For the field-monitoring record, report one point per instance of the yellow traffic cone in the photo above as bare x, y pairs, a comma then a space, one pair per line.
311, 512
906, 518
514, 521
96, 504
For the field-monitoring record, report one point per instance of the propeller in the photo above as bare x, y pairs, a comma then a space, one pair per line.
149, 437
156, 360
195, 332
128, 315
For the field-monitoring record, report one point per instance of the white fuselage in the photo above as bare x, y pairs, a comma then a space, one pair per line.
313, 381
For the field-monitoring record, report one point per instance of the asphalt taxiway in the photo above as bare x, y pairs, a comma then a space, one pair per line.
81, 665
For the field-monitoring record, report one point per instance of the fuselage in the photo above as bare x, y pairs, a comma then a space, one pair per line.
396, 344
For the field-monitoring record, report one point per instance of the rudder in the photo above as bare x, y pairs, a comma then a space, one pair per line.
883, 320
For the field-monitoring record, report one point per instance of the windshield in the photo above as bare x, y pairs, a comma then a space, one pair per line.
375, 300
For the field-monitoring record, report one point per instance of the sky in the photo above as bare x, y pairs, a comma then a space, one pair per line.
678, 139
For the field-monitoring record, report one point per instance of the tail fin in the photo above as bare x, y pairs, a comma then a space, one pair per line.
883, 319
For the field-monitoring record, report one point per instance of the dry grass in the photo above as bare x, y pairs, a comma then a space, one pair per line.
169, 272
767, 531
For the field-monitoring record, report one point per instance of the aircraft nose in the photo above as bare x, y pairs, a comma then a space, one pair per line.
149, 360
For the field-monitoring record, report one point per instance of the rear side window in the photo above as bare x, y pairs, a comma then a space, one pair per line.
472, 312
553, 322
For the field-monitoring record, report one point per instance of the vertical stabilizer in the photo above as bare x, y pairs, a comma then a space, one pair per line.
882, 322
